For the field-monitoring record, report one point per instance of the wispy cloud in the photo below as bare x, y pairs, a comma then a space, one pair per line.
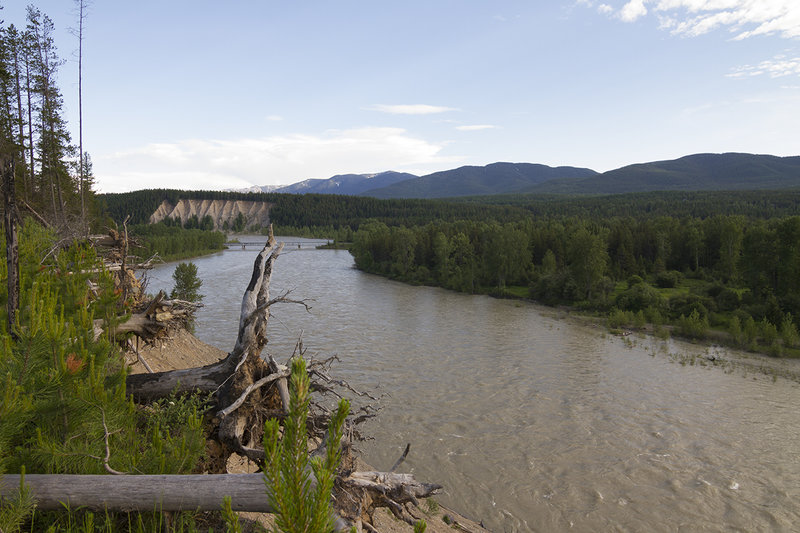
274, 118
778, 67
476, 127
601, 8
744, 18
234, 163
410, 109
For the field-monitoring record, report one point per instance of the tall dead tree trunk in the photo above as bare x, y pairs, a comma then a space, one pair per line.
241, 375
7, 167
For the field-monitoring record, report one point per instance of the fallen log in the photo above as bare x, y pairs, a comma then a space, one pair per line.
196, 492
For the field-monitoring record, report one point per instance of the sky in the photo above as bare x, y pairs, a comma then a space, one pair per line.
220, 95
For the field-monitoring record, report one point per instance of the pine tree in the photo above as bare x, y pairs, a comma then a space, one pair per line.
53, 143
300, 506
187, 284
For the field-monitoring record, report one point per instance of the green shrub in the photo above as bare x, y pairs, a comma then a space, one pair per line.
768, 331
639, 319
668, 279
788, 331
618, 318
62, 392
735, 329
301, 506
728, 300
684, 304
639, 297
694, 326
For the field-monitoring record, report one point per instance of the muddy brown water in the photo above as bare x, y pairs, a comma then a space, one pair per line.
531, 422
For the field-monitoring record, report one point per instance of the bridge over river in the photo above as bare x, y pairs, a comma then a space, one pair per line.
258, 244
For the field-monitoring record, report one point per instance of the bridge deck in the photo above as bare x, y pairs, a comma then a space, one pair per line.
261, 244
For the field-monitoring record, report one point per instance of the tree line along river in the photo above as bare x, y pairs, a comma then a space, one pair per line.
533, 422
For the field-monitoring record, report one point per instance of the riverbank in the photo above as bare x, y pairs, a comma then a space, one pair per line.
182, 350
716, 353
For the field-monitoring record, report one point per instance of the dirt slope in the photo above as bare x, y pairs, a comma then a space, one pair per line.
220, 211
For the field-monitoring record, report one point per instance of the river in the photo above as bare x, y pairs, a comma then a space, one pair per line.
530, 421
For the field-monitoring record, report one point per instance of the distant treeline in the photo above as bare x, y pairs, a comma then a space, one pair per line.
730, 272
697, 204
172, 243
322, 210
313, 210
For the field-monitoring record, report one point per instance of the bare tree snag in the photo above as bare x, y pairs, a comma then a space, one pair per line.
10, 218
238, 379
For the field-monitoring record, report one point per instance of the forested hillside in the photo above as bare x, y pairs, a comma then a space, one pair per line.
699, 204
497, 178
352, 184
699, 172
317, 210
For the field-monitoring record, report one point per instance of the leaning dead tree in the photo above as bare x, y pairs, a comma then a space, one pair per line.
240, 381
247, 390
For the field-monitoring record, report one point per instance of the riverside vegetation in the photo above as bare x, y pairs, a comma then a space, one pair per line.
64, 407
726, 277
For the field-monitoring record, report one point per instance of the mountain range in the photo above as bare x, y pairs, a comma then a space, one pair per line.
728, 171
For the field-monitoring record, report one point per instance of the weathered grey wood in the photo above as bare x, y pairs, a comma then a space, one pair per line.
143, 493
147, 387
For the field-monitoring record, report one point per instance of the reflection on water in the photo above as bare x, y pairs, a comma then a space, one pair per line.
531, 423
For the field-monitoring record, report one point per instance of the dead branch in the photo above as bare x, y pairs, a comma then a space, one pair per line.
250, 388
107, 457
158, 317
401, 458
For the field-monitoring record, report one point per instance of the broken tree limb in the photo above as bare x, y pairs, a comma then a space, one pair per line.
204, 379
400, 487
260, 383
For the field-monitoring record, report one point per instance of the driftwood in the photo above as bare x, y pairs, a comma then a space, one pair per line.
155, 321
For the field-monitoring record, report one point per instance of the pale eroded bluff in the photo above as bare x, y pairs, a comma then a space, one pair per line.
220, 211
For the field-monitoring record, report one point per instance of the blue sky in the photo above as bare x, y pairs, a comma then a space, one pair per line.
215, 95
